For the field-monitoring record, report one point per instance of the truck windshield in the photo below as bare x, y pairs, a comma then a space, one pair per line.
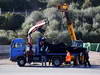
17, 45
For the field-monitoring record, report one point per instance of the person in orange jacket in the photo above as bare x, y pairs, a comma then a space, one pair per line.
68, 57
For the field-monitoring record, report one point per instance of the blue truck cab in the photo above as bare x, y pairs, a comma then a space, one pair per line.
17, 48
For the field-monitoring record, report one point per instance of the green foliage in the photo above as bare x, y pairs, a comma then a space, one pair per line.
11, 34
97, 17
55, 2
3, 37
2, 21
31, 20
14, 22
54, 17
11, 21
87, 4
3, 33
4, 41
36, 35
6, 36
95, 2
85, 17
18, 5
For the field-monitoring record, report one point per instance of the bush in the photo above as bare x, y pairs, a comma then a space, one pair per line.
15, 21
4, 37
97, 17
55, 2
4, 41
95, 2
31, 20
3, 33
11, 21
36, 35
2, 20
54, 17
87, 4
11, 34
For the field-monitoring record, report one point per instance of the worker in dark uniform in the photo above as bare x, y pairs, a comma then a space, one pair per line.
86, 59
43, 52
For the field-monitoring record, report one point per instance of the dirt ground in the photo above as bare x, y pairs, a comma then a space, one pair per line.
94, 59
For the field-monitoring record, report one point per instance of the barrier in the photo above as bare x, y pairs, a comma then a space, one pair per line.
4, 48
92, 46
4, 51
95, 47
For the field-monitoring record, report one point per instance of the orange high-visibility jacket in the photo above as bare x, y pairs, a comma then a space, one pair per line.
68, 57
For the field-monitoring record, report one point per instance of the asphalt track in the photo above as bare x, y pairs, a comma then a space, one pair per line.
36, 69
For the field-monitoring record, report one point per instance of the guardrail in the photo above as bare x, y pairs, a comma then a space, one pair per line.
4, 51
4, 48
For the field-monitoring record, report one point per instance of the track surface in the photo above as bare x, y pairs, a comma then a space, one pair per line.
9, 68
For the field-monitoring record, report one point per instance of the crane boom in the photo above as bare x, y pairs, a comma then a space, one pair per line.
38, 25
71, 32
64, 8
70, 27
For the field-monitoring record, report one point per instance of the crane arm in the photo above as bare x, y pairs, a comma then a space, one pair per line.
64, 8
70, 27
38, 25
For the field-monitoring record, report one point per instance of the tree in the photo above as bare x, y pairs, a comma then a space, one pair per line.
2, 22
15, 21
4, 41
19, 5
11, 21
31, 20
97, 17
95, 2
87, 4
3, 33
55, 2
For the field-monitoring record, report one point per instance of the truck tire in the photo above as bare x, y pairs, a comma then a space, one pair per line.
21, 62
56, 62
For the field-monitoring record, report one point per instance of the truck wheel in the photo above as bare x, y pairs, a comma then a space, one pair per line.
21, 62
56, 62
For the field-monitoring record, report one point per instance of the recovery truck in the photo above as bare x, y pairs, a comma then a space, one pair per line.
55, 53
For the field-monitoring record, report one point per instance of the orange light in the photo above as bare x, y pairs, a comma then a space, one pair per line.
65, 6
